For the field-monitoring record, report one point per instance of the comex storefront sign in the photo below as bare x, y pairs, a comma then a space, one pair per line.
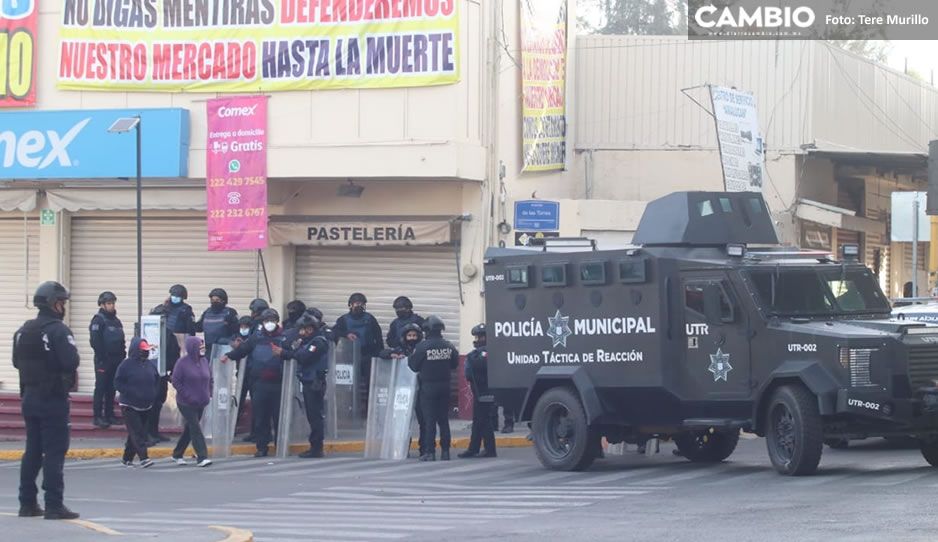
76, 144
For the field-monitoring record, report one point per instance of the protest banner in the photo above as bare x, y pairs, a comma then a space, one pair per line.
543, 70
19, 21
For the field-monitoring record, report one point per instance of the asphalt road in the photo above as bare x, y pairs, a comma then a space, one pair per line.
872, 491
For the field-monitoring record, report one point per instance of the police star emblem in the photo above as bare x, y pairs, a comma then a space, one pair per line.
720, 365
558, 329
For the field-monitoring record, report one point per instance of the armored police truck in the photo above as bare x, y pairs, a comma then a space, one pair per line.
705, 328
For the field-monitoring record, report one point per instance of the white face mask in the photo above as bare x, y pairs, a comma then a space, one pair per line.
245, 331
270, 326
175, 300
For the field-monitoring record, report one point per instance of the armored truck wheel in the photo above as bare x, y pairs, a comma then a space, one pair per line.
794, 433
930, 451
562, 437
707, 447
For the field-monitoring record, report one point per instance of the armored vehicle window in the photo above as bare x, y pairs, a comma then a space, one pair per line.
518, 277
818, 292
592, 273
726, 205
705, 208
554, 275
694, 299
632, 271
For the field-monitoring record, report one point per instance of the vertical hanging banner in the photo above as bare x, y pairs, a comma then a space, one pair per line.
236, 173
18, 26
543, 72
742, 150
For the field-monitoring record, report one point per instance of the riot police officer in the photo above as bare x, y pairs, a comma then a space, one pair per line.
482, 400
264, 351
179, 316
44, 353
411, 335
246, 328
295, 309
219, 321
433, 360
404, 309
107, 341
310, 349
257, 307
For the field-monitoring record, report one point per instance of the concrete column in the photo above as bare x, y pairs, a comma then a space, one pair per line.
472, 251
280, 262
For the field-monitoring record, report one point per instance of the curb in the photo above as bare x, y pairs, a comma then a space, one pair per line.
347, 446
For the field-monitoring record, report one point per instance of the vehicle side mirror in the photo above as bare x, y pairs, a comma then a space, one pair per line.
712, 304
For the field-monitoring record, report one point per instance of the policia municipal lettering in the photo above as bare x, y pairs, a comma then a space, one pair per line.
44, 353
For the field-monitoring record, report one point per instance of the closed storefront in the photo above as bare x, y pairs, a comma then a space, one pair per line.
19, 272
103, 257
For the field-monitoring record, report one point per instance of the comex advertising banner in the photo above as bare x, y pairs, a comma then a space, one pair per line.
741, 147
18, 24
257, 45
543, 69
812, 19
236, 173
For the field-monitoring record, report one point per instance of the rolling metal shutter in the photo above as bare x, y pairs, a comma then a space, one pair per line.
19, 276
104, 255
325, 277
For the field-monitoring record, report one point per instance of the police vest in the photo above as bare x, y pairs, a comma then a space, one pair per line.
33, 357
215, 325
264, 363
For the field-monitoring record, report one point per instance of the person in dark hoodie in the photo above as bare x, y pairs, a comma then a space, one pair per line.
404, 309
264, 351
107, 341
137, 382
295, 309
434, 360
219, 322
192, 378
482, 401
310, 349
411, 335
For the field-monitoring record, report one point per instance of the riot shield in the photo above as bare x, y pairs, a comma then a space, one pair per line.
379, 394
293, 427
401, 416
221, 410
343, 380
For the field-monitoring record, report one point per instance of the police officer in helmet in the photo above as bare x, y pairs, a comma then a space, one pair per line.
219, 321
411, 335
482, 400
246, 328
295, 309
404, 309
107, 341
179, 316
434, 360
44, 353
257, 307
310, 349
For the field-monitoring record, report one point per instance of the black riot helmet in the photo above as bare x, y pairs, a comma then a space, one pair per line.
403, 302
357, 297
245, 321
49, 293
106, 297
434, 324
258, 306
179, 291
316, 313
479, 330
270, 315
295, 308
413, 326
220, 293
308, 320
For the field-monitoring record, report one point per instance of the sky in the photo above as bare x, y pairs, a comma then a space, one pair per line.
922, 55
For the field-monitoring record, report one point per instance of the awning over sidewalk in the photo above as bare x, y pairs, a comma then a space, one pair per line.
124, 199
18, 200
838, 217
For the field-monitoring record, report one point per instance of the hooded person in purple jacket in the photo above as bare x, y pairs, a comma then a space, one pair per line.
192, 378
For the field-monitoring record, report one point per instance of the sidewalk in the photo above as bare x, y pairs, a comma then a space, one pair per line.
16, 528
96, 448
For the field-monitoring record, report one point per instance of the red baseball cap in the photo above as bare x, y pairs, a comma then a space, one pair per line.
144, 345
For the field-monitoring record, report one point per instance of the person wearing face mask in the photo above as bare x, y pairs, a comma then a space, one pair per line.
219, 321
310, 349
192, 379
264, 351
434, 360
180, 319
246, 328
324, 328
295, 309
482, 401
411, 336
257, 307
404, 309
137, 380
107, 341
360, 326
44, 353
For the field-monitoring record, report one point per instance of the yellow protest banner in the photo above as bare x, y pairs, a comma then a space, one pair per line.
543, 71
257, 45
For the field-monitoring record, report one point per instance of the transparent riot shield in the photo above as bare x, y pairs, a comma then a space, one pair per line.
217, 421
400, 418
343, 391
292, 427
379, 394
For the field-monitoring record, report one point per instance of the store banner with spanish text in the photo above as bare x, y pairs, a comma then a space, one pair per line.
257, 45
543, 71
236, 173
19, 21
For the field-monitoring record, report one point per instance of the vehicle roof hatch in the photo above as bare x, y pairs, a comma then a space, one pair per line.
706, 219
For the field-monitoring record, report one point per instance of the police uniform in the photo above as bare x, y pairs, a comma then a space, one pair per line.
433, 360
312, 359
44, 352
217, 325
107, 342
476, 372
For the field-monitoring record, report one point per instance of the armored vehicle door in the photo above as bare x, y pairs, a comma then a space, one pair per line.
716, 360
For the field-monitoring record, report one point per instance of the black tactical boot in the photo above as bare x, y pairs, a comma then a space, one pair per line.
444, 455
101, 423
31, 511
428, 457
311, 453
467, 454
60, 513
509, 427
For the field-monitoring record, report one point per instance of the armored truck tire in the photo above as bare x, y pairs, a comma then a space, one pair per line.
930, 451
794, 434
563, 439
707, 446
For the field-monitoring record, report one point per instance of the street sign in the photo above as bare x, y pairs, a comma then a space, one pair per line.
525, 238
537, 215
